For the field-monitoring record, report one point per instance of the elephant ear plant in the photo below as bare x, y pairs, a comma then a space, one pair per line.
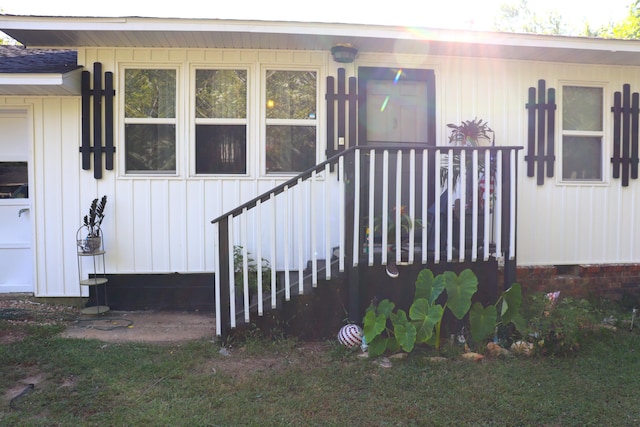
389, 330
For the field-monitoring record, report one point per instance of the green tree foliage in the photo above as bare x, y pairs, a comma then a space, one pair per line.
628, 28
520, 18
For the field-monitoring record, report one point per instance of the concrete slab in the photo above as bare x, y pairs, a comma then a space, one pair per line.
143, 326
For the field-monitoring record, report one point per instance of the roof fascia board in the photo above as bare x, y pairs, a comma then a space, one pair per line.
168, 25
67, 83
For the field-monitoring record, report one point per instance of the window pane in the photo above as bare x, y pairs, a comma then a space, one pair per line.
221, 94
150, 93
581, 158
221, 149
291, 95
290, 148
150, 147
14, 181
582, 108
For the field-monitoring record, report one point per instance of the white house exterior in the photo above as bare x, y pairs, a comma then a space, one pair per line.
158, 219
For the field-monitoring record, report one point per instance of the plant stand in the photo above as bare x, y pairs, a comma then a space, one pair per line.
91, 261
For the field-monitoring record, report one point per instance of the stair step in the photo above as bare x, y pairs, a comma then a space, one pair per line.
293, 286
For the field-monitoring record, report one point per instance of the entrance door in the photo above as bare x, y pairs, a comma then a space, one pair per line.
16, 262
397, 106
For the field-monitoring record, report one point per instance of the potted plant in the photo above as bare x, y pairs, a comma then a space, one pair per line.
91, 224
406, 226
469, 133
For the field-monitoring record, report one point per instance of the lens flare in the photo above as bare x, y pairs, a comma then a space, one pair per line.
398, 75
384, 104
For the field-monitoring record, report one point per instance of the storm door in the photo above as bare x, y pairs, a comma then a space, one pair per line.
16, 264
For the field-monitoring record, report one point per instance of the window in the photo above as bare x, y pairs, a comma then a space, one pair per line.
582, 133
150, 120
291, 104
221, 121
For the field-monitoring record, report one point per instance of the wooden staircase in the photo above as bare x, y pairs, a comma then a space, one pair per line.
325, 212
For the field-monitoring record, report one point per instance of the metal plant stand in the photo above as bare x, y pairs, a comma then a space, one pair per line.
91, 259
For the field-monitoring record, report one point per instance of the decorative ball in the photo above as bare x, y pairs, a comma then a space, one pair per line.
350, 336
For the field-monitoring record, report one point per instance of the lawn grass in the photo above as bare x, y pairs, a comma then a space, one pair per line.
266, 383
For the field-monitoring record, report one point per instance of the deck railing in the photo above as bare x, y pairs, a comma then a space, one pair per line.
444, 204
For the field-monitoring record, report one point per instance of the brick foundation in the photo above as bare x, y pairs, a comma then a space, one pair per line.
610, 281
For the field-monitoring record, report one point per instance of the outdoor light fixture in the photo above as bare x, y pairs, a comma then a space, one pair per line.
344, 53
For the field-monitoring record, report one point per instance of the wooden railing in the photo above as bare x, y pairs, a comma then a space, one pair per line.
351, 209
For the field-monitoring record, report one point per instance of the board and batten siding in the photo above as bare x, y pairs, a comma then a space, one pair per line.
158, 224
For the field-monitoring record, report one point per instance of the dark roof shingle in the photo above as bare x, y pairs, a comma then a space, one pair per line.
18, 59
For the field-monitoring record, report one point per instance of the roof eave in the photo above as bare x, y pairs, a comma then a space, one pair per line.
76, 32
32, 84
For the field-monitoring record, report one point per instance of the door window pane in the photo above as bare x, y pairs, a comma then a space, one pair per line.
14, 181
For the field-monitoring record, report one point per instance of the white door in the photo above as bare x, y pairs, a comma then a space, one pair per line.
16, 261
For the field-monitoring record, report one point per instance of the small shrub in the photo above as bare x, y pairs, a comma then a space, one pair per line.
558, 327
253, 269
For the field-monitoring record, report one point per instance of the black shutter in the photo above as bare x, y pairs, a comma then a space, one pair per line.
541, 124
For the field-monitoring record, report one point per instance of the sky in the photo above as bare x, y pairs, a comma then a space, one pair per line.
454, 14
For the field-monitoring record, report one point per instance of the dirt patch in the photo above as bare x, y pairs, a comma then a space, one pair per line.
20, 310
240, 364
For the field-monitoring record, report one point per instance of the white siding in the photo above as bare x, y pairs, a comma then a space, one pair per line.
158, 225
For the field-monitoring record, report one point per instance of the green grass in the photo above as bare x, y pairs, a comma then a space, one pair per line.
86, 382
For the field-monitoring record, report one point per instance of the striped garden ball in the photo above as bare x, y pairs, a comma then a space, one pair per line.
350, 336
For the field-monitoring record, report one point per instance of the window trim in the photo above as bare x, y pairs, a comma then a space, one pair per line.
194, 121
602, 134
123, 67
264, 122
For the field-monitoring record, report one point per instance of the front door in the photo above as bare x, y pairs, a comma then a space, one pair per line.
397, 106
16, 263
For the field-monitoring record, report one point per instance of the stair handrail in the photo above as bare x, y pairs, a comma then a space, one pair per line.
318, 168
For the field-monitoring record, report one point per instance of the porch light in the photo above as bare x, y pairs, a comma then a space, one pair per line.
344, 53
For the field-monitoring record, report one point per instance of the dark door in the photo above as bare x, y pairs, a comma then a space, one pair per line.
397, 106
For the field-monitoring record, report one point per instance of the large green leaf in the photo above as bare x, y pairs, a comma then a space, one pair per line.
377, 346
460, 289
385, 307
425, 317
483, 321
404, 331
428, 287
373, 325
511, 301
